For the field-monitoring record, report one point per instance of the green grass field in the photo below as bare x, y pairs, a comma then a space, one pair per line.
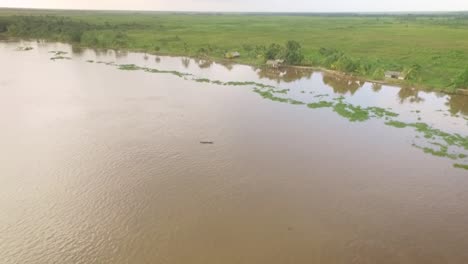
433, 47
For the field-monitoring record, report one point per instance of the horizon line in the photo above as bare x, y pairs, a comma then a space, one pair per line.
238, 12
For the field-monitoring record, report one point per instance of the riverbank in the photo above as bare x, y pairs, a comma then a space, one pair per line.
240, 61
431, 49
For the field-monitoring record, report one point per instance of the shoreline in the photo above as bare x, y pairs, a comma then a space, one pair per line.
390, 82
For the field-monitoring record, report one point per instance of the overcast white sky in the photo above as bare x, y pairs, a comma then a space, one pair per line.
248, 5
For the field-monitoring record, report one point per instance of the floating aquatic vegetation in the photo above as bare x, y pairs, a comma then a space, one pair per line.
284, 91
321, 104
24, 48
433, 133
128, 67
442, 151
321, 95
217, 82
133, 67
60, 58
268, 94
90, 61
202, 80
451, 146
249, 83
295, 102
461, 166
396, 124
380, 112
152, 70
351, 112
450, 141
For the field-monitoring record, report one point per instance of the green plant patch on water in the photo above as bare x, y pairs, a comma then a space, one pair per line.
176, 73
351, 112
295, 102
268, 94
284, 91
90, 61
129, 67
441, 152
60, 58
217, 82
249, 83
396, 124
321, 104
450, 140
321, 95
202, 80
380, 112
460, 166
432, 133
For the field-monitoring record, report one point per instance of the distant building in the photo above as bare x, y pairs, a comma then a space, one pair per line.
232, 55
274, 63
394, 75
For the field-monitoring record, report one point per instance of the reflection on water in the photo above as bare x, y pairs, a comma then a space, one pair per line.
409, 95
458, 104
284, 74
342, 84
203, 63
376, 87
229, 65
101, 165
185, 61
77, 50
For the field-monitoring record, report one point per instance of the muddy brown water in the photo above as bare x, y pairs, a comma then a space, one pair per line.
100, 165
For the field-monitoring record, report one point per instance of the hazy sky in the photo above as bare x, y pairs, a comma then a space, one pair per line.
248, 5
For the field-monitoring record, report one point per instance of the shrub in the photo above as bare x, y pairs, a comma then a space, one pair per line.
273, 52
293, 53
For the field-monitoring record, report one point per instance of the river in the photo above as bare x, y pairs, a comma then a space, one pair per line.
102, 162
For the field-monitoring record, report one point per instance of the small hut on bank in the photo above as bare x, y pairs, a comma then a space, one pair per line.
232, 55
394, 75
274, 63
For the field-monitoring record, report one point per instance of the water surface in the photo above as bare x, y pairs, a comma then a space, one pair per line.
100, 165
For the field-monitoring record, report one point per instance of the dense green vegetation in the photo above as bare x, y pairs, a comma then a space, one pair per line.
431, 50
